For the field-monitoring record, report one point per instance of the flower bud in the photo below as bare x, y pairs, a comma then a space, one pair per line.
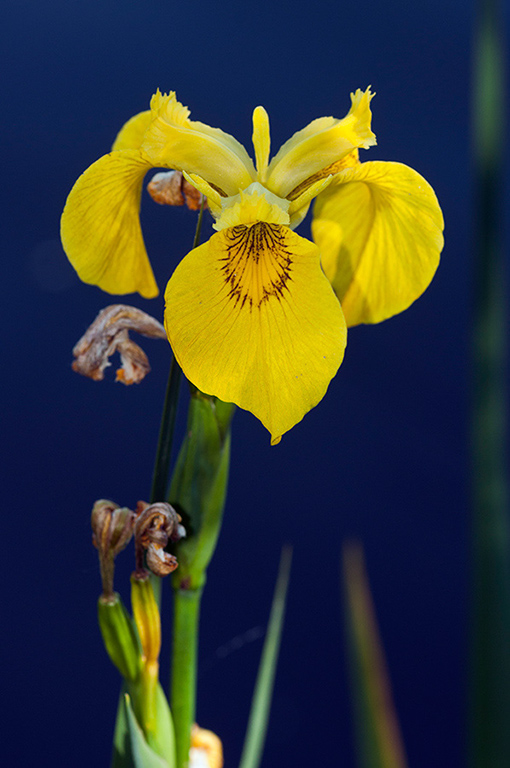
119, 637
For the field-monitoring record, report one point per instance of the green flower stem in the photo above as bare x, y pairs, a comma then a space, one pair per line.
184, 668
198, 490
166, 430
490, 683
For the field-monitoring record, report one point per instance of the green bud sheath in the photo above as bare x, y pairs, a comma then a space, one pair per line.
199, 486
119, 637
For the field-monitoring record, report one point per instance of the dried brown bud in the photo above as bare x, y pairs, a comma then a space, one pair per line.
108, 334
112, 528
171, 188
156, 525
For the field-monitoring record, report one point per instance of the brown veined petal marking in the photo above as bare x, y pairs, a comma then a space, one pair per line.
258, 264
253, 320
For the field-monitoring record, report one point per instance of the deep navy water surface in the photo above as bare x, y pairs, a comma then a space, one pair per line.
384, 458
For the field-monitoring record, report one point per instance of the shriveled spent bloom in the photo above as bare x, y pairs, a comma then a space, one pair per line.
257, 315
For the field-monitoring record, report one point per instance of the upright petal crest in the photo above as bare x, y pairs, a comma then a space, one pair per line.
323, 142
175, 141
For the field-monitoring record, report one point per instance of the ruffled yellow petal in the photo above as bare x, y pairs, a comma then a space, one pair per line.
175, 141
323, 142
100, 225
379, 229
131, 134
253, 320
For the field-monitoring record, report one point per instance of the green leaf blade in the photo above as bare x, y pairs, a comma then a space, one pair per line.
142, 755
261, 702
131, 749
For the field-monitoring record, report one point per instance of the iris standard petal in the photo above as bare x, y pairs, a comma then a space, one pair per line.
379, 229
175, 141
131, 134
100, 225
323, 142
253, 320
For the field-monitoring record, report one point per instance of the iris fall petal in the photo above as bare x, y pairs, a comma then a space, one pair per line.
100, 225
131, 134
379, 229
253, 320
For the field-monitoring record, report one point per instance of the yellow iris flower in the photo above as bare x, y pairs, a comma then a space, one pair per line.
257, 315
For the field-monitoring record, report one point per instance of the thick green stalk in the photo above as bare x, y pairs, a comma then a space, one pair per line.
184, 668
198, 491
490, 684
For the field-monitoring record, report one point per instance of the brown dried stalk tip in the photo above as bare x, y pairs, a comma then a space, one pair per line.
109, 334
171, 188
156, 525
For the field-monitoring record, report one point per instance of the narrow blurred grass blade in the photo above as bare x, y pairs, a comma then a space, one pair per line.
378, 734
261, 702
489, 731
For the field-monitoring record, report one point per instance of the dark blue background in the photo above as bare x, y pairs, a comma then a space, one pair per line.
383, 458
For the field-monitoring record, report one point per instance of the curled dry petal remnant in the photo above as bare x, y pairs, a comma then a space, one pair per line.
109, 334
258, 315
156, 525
